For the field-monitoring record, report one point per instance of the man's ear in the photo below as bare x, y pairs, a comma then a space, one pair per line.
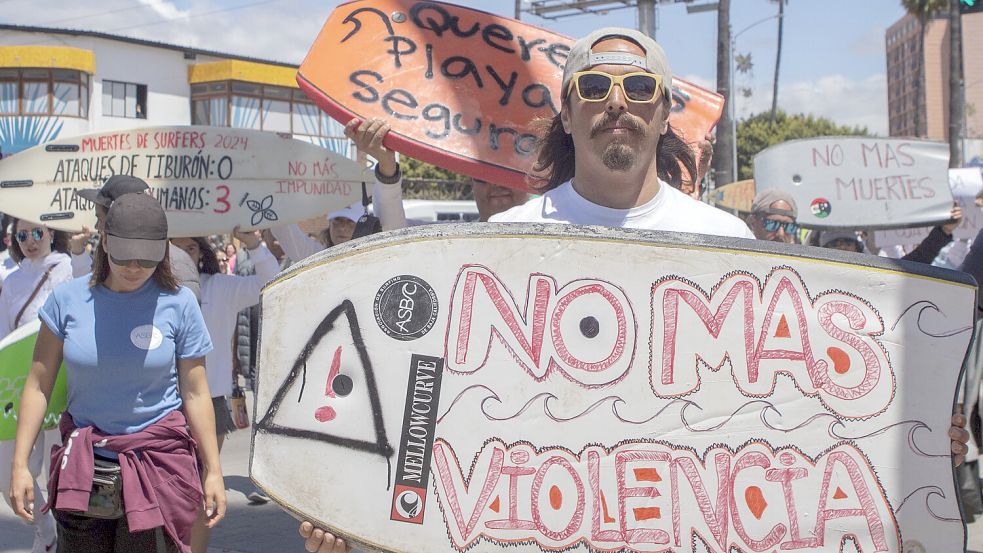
565, 119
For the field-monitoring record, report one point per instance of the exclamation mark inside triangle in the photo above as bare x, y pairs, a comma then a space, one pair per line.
782, 330
327, 413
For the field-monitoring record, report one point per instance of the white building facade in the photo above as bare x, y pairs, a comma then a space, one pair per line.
57, 83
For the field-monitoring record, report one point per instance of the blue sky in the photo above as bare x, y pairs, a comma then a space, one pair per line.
833, 61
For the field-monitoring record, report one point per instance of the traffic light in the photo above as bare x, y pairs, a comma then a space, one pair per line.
970, 6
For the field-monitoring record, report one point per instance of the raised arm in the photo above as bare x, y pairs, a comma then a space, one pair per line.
295, 242
240, 292
387, 192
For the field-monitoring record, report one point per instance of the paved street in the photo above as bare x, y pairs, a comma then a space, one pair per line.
254, 528
246, 529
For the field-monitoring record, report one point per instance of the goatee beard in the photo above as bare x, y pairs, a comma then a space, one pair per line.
618, 156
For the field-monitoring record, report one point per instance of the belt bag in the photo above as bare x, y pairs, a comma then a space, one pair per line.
106, 499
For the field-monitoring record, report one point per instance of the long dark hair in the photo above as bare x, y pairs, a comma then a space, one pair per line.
207, 260
4, 221
59, 240
557, 158
162, 274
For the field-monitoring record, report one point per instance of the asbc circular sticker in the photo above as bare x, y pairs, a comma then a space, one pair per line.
405, 307
821, 208
146, 337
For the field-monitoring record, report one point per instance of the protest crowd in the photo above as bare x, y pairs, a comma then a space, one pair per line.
610, 157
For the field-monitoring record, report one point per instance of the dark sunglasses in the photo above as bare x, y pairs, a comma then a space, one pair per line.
34, 233
595, 86
771, 225
145, 263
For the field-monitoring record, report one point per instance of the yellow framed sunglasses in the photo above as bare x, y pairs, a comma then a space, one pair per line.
595, 86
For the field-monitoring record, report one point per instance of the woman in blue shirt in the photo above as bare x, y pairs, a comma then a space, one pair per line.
133, 343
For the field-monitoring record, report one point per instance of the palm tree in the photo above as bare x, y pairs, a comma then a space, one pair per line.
778, 60
923, 10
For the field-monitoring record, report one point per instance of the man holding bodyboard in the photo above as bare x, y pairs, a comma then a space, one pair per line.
609, 155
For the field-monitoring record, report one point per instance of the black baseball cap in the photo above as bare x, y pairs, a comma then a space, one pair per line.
114, 187
136, 228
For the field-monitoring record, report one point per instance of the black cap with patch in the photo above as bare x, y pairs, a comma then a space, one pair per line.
136, 228
114, 187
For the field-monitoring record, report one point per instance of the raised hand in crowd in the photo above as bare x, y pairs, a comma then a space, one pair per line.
706, 157
955, 218
959, 437
77, 242
250, 239
368, 136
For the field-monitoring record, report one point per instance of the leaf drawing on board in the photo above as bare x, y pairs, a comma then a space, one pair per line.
262, 210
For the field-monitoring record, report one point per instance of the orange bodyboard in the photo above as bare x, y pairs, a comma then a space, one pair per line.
460, 87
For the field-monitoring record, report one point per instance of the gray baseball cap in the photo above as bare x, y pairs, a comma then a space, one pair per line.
136, 228
581, 57
827, 237
763, 200
114, 187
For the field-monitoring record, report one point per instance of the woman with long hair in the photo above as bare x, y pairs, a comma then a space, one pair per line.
222, 297
42, 265
133, 343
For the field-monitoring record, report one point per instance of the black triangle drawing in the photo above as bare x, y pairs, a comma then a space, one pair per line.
381, 444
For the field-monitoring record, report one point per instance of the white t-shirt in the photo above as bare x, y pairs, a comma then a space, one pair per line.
7, 265
222, 297
669, 210
20, 284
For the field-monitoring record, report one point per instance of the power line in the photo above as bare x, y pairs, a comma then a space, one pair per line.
193, 15
128, 8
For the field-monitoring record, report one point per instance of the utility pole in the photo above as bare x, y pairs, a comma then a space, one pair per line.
957, 99
518, 9
723, 158
647, 14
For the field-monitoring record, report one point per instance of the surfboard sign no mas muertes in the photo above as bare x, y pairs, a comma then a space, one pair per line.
450, 392
208, 179
860, 182
16, 353
965, 184
460, 87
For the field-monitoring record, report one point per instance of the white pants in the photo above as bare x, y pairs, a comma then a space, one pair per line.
35, 463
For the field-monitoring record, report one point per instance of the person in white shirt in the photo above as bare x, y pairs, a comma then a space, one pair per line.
41, 269
7, 263
222, 297
297, 244
610, 156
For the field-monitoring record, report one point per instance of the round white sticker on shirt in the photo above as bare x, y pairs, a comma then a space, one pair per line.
146, 337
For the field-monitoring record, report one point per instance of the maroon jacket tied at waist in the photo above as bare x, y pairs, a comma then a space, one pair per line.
161, 483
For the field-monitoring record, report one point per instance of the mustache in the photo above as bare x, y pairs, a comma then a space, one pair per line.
623, 119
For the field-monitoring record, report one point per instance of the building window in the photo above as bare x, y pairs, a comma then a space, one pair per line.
57, 92
124, 99
260, 107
